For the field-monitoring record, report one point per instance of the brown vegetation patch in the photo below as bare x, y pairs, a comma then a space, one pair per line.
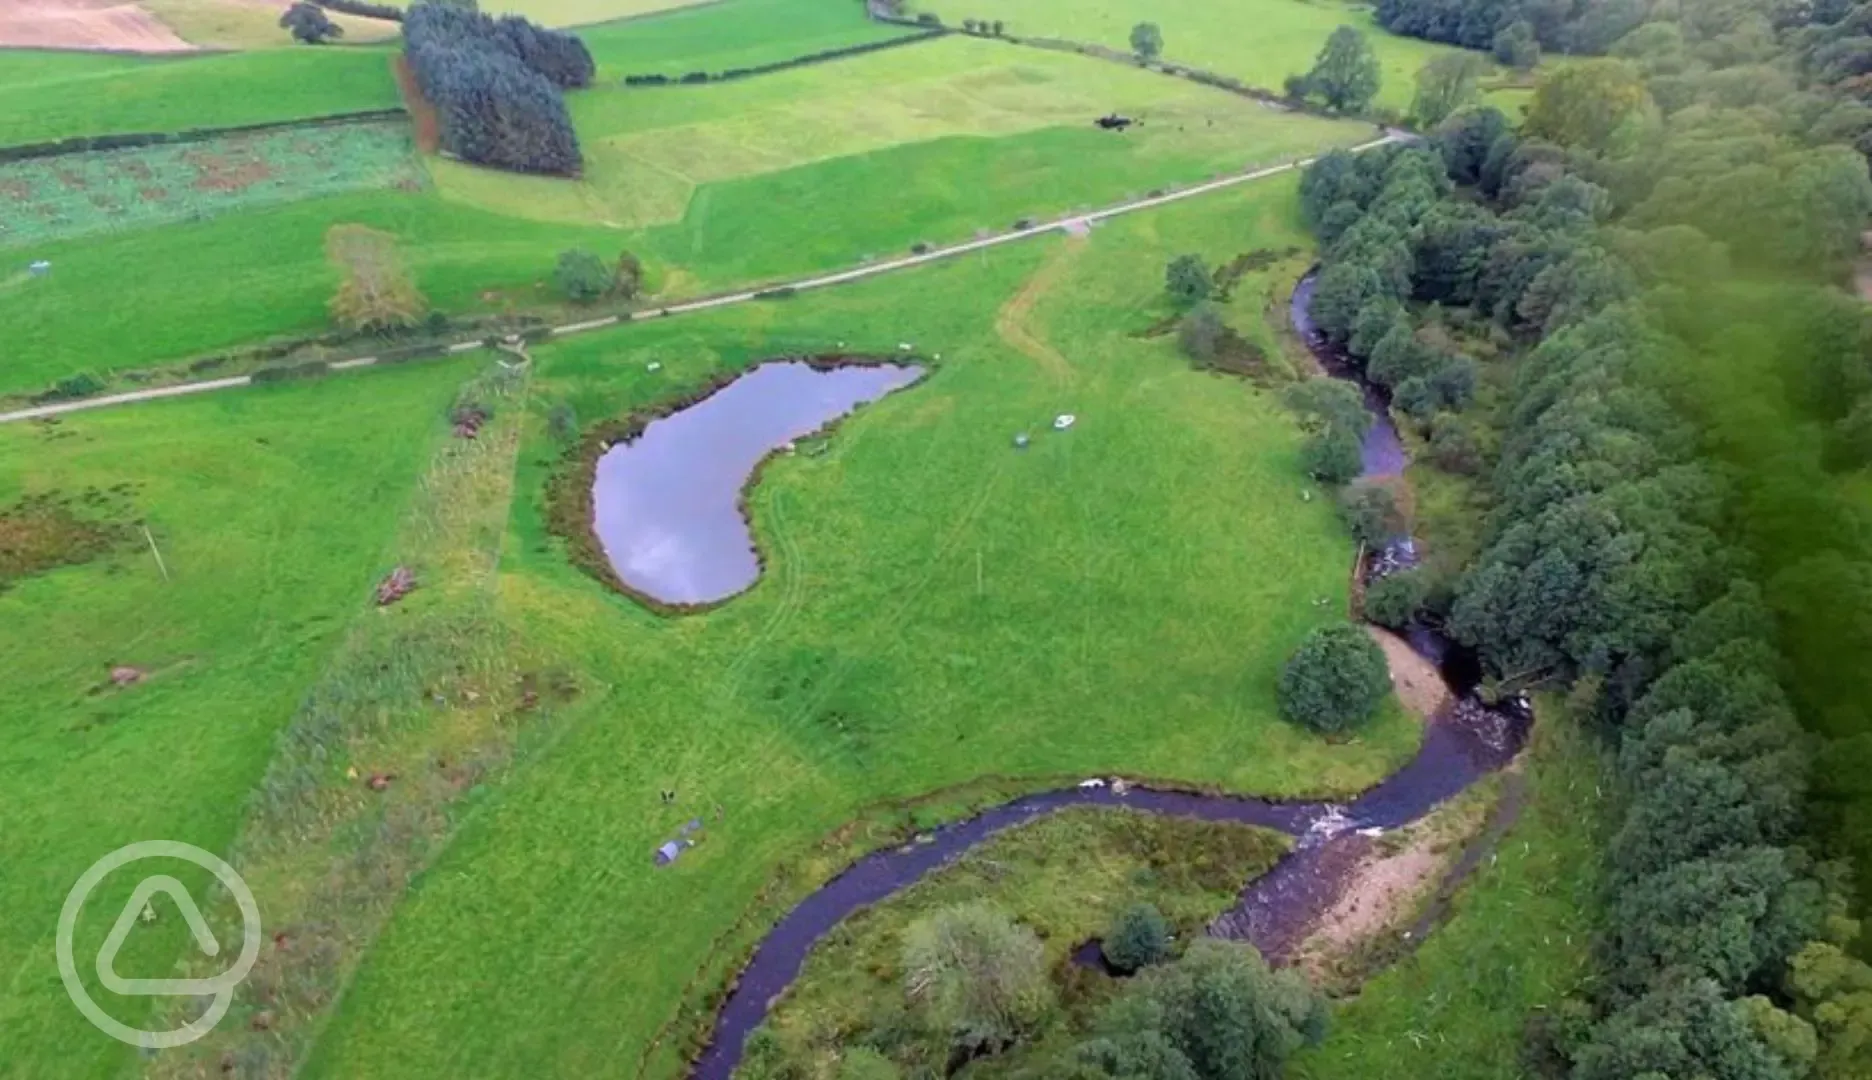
85, 24
569, 493
425, 125
43, 532
1011, 322
221, 172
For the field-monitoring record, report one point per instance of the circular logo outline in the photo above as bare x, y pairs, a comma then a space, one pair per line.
221, 986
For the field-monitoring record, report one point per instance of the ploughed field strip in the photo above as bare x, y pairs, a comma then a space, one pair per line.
76, 195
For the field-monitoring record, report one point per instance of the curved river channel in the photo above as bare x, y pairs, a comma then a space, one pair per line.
1462, 743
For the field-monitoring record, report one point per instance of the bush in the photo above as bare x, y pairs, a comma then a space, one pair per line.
1200, 334
1395, 599
562, 422
1455, 447
1140, 937
627, 281
309, 24
1374, 513
82, 385
1335, 681
375, 292
1333, 456
1187, 280
582, 277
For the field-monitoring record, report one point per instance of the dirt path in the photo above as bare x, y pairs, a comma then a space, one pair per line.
1070, 224
1012, 321
85, 24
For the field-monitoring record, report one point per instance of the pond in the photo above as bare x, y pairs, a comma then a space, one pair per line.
668, 506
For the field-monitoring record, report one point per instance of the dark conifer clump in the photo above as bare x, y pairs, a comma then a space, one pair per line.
495, 84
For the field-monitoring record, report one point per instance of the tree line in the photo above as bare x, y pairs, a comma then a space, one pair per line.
496, 86
1623, 317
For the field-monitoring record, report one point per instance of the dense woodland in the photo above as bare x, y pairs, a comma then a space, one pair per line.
1624, 317
496, 86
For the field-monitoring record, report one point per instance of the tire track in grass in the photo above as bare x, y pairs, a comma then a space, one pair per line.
1012, 322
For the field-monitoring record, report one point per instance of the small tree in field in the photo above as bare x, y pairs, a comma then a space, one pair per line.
1187, 280
1146, 41
1374, 511
1140, 937
628, 281
582, 277
975, 976
375, 291
1335, 681
309, 24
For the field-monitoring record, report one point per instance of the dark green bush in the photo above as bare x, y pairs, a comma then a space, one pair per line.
1336, 681
1139, 937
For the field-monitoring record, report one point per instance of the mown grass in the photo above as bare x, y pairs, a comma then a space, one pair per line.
579, 12
56, 96
652, 154
273, 509
1065, 877
237, 24
1260, 42
938, 607
731, 34
1518, 941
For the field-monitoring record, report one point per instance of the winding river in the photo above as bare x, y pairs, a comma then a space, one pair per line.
1462, 743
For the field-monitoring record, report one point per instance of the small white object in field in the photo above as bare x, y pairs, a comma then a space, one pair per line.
40, 268
1374, 831
1306, 494
1120, 785
1064, 421
654, 366
904, 346
1087, 785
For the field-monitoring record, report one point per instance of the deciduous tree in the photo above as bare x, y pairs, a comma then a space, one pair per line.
375, 291
975, 976
1146, 40
1445, 85
1346, 73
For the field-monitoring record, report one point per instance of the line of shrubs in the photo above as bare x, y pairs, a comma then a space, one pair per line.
84, 144
731, 74
496, 86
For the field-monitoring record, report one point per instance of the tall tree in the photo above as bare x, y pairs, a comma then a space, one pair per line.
375, 291
1445, 85
1585, 104
1346, 74
975, 975
1335, 681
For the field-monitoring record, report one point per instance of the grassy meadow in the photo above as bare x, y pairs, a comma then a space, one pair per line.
1260, 42
240, 493
764, 179
937, 607
730, 34
59, 95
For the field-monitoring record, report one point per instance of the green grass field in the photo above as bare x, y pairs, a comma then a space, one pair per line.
943, 621
652, 152
483, 241
240, 493
60, 95
730, 34
1260, 42
938, 607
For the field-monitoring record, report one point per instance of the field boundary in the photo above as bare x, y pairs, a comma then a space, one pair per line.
776, 292
697, 78
85, 144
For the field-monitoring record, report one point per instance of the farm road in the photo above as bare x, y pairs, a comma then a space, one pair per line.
1070, 223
